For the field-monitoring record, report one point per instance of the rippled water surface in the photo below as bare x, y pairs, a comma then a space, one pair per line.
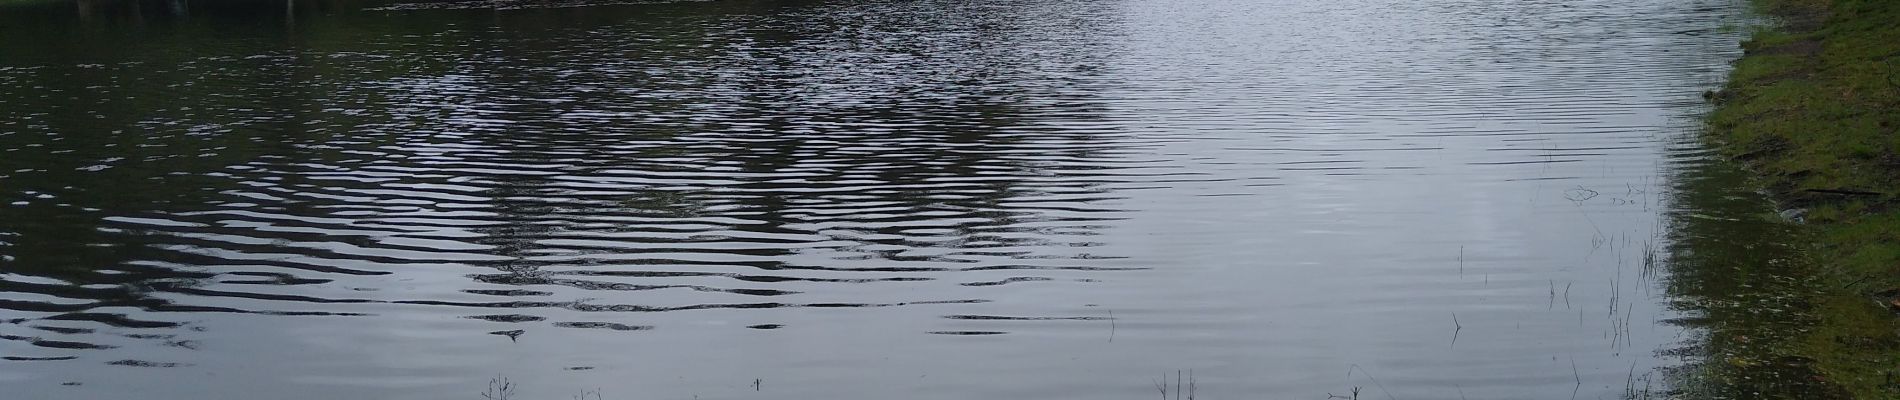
932, 199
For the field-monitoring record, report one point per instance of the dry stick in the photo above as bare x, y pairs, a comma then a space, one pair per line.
1626, 326
1192, 385
1856, 282
1375, 380
1567, 294
1845, 192
1613, 299
499, 389
1579, 376
1456, 328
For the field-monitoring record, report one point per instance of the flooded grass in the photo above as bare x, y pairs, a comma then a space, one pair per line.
1812, 109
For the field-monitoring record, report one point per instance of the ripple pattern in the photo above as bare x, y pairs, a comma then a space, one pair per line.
972, 190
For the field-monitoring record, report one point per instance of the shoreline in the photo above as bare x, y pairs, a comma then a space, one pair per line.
1812, 111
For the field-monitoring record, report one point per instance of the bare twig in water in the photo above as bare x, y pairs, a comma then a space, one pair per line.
1456, 328
1649, 258
1553, 295
1183, 384
1579, 376
588, 394
1191, 385
1375, 381
1567, 294
1355, 395
499, 389
1629, 383
1630, 392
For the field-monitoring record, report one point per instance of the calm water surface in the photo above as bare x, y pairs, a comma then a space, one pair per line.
985, 199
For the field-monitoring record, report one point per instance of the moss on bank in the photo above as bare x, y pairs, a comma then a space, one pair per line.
1814, 109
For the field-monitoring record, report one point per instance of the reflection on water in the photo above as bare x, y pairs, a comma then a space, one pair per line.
1005, 199
1744, 286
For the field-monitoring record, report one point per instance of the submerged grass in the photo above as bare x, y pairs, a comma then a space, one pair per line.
1813, 108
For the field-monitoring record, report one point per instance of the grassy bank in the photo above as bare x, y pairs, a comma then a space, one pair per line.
1813, 108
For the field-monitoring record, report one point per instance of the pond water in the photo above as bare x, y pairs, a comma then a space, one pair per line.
930, 199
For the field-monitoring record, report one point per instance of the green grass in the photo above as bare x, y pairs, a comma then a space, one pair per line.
1813, 108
